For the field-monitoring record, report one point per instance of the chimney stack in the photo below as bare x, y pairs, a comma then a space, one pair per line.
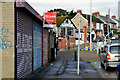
114, 17
96, 14
79, 11
108, 16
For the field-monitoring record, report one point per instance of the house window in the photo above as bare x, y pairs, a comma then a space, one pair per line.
67, 21
70, 31
99, 26
81, 37
62, 32
113, 25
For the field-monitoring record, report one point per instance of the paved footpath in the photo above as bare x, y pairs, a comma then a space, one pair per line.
66, 67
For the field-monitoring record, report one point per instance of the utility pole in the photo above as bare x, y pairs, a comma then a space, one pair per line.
90, 25
109, 23
78, 71
109, 19
65, 38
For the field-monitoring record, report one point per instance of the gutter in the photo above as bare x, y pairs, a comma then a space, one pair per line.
24, 4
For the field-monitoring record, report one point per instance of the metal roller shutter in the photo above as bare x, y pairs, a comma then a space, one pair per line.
37, 46
24, 44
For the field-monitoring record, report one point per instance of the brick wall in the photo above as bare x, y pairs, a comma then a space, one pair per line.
7, 39
94, 25
61, 43
85, 33
97, 34
70, 42
45, 46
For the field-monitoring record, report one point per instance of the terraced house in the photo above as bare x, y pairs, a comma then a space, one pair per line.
106, 19
97, 28
66, 32
117, 23
83, 27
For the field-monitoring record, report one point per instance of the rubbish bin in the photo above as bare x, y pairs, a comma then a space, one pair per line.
52, 54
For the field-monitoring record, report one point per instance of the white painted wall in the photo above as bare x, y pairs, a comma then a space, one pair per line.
81, 42
69, 24
97, 26
81, 36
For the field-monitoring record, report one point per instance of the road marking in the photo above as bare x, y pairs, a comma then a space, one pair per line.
106, 74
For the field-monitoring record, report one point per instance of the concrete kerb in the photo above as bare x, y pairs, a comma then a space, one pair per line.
98, 70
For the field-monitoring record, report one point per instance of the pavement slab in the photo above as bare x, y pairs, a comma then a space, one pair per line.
66, 67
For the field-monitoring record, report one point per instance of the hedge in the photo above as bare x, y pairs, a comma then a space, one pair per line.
115, 32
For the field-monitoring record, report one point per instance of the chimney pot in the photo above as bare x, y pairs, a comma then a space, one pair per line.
114, 17
96, 13
108, 16
79, 11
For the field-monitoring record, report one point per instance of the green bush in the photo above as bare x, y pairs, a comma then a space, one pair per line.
115, 32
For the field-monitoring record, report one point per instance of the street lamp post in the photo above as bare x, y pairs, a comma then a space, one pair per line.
78, 71
90, 25
65, 38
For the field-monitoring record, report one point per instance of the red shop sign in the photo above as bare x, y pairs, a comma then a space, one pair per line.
50, 17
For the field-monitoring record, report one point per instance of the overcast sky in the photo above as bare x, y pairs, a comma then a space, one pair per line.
98, 5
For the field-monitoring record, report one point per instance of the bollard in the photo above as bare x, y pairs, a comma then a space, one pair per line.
75, 55
99, 52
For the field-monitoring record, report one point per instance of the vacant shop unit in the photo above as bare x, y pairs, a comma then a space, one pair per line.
37, 46
29, 40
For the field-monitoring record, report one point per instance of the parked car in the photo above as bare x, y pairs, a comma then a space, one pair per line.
114, 37
118, 71
107, 41
109, 55
98, 39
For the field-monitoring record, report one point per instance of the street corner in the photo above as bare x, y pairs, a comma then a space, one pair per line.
96, 65
111, 73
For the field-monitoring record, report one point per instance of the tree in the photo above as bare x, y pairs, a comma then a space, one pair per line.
62, 12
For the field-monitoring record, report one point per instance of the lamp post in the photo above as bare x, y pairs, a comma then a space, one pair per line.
78, 71
90, 25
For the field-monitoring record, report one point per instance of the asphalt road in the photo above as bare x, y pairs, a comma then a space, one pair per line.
111, 73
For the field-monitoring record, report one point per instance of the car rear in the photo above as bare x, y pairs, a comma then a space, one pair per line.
113, 55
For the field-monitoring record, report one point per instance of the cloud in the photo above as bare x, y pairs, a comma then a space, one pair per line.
98, 5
